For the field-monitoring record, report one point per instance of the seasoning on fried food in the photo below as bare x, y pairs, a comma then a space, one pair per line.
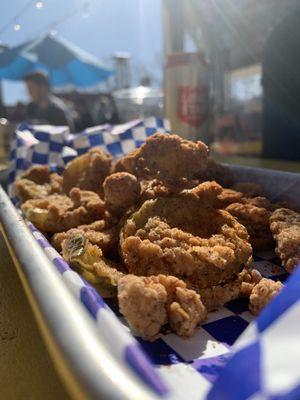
104, 233
121, 191
256, 219
179, 236
88, 171
285, 227
168, 158
58, 213
148, 303
262, 294
37, 183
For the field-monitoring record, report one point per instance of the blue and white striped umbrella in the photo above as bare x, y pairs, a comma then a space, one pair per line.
65, 64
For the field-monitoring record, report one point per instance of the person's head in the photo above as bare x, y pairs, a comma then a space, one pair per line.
38, 86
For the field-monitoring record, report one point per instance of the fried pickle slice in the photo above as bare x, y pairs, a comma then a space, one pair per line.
285, 227
167, 157
87, 171
37, 183
88, 260
148, 303
179, 236
58, 213
254, 215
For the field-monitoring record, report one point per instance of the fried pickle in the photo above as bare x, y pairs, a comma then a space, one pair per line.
58, 213
148, 303
285, 227
179, 236
167, 158
88, 171
37, 183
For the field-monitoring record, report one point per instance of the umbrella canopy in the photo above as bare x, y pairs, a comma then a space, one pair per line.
64, 63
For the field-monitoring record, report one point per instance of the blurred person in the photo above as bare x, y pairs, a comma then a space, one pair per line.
106, 111
19, 112
3, 111
281, 83
84, 118
45, 107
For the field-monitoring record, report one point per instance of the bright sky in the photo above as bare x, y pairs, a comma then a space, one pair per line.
133, 26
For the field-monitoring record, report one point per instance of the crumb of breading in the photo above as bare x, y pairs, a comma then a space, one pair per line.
262, 294
250, 278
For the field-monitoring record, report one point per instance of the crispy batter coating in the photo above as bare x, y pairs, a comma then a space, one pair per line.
87, 171
90, 263
151, 189
104, 233
228, 196
37, 173
148, 303
121, 191
256, 219
58, 213
249, 278
262, 294
37, 183
181, 237
216, 296
206, 192
167, 157
249, 189
217, 172
285, 226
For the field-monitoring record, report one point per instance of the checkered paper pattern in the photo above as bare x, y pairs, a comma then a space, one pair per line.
56, 146
205, 366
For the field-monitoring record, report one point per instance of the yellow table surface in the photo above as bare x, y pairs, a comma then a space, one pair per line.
26, 370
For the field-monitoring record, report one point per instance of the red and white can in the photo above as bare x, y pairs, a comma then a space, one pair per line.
186, 95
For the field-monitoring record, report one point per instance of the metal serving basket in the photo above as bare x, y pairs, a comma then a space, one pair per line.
92, 348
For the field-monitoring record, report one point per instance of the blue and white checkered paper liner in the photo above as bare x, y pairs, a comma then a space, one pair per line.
55, 145
184, 369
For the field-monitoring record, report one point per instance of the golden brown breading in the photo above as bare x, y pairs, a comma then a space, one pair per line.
58, 213
180, 237
87, 171
285, 227
206, 192
121, 191
256, 220
217, 172
262, 294
37, 183
150, 189
87, 259
249, 278
167, 157
104, 233
37, 173
148, 303
216, 296
249, 189
228, 196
